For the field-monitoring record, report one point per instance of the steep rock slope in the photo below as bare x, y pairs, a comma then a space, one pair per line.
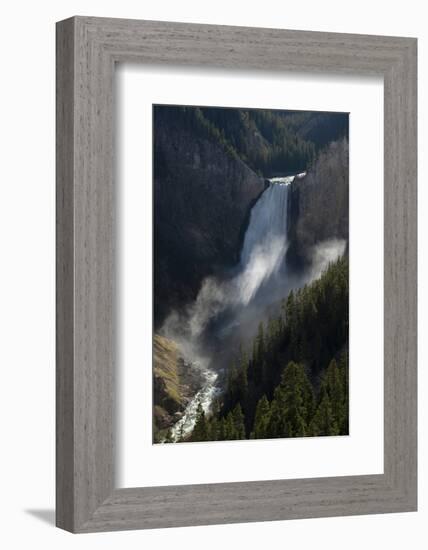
174, 383
318, 203
167, 386
323, 128
203, 194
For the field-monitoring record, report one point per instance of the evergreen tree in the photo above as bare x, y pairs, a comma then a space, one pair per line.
260, 341
252, 371
311, 337
333, 385
238, 422
259, 354
291, 323
265, 373
230, 432
344, 374
232, 391
324, 422
200, 431
242, 381
213, 429
222, 430
277, 426
262, 418
292, 404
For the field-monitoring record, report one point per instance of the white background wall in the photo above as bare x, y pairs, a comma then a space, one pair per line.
27, 272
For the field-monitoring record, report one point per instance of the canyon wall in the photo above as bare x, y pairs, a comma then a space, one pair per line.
203, 195
319, 203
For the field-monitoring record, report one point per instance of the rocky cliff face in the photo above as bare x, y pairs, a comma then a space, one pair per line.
323, 128
174, 383
318, 203
202, 199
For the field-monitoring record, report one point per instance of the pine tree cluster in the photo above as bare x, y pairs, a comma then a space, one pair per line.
294, 383
268, 141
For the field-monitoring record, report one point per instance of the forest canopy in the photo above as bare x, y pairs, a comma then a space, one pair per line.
269, 141
293, 382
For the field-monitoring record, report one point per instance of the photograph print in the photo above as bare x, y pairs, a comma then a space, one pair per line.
251, 274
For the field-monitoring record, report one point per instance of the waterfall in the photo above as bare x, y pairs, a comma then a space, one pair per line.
262, 255
265, 242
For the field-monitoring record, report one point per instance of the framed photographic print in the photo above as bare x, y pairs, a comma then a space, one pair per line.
236, 274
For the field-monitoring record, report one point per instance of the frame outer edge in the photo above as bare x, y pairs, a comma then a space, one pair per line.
65, 108
400, 247
409, 258
94, 275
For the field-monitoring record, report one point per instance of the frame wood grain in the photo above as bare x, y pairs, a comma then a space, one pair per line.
87, 50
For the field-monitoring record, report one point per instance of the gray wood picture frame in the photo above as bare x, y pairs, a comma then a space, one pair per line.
87, 50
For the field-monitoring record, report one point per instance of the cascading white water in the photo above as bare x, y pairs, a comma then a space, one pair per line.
265, 242
263, 252
205, 397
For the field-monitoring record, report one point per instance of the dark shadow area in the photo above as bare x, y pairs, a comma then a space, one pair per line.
46, 515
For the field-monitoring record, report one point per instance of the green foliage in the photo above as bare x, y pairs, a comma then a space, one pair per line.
242, 375
332, 411
291, 408
213, 429
317, 318
200, 431
324, 423
268, 141
288, 151
259, 355
238, 422
296, 382
262, 418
